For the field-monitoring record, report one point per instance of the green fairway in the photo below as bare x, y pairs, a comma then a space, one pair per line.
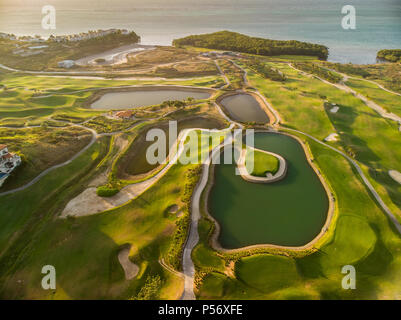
46, 195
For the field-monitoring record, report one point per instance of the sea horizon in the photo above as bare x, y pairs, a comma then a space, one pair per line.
378, 24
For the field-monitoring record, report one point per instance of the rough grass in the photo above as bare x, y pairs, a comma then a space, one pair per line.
91, 244
41, 148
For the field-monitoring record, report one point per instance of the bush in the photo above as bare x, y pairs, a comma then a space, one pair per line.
150, 290
318, 71
106, 191
226, 40
393, 55
267, 72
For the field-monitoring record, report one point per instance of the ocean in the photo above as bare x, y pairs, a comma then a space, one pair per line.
378, 23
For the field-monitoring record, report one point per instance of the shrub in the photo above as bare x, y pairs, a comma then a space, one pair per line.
106, 191
150, 290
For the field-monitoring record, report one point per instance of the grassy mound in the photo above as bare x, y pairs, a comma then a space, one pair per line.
106, 191
263, 163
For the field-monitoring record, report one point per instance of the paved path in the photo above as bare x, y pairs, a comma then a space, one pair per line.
244, 72
346, 77
373, 105
193, 236
227, 81
364, 178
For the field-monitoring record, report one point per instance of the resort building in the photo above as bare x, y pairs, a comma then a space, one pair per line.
66, 64
88, 35
127, 114
8, 162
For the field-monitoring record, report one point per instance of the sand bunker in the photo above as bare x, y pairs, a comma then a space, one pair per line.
130, 269
334, 109
332, 137
395, 175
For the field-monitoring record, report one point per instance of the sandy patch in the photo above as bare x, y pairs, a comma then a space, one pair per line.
230, 270
334, 109
332, 137
88, 202
395, 175
130, 269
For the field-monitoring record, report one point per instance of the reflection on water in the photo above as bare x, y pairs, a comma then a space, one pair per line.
290, 212
135, 99
244, 108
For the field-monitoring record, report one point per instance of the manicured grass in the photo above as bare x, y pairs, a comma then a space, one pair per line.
299, 100
361, 130
267, 273
261, 163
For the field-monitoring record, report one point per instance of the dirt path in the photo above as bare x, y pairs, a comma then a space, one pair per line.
226, 80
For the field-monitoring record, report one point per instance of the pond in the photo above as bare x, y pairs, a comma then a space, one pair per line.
134, 161
291, 212
244, 108
146, 97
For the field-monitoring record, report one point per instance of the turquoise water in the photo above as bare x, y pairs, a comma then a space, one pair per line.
160, 21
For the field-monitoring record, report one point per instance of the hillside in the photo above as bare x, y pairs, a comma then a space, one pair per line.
226, 40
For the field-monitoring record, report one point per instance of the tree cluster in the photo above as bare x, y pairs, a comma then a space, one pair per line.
226, 40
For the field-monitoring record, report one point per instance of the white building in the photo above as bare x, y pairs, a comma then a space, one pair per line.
66, 64
8, 162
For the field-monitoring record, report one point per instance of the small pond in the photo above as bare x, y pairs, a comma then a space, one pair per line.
290, 212
146, 97
244, 108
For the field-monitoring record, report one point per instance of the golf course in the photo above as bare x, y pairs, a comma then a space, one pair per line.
87, 201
